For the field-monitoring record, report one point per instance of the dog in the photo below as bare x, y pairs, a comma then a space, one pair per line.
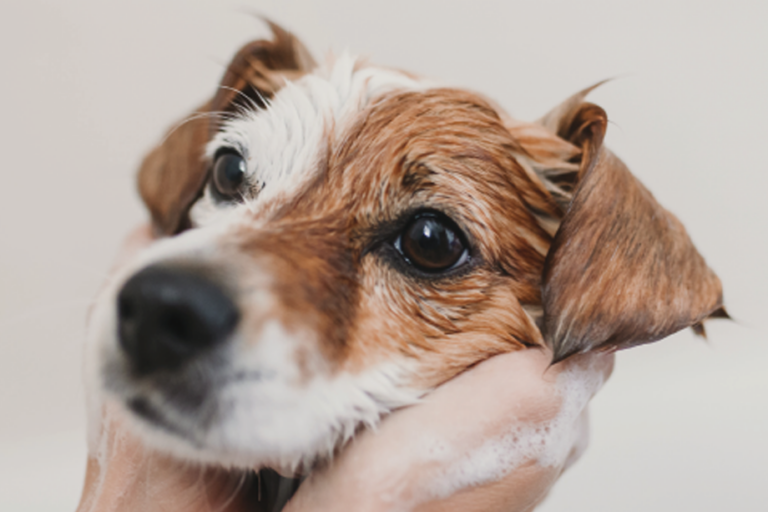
340, 239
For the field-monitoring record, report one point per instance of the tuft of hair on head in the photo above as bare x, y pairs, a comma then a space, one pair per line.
172, 175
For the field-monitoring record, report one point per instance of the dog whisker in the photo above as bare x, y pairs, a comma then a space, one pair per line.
194, 117
254, 106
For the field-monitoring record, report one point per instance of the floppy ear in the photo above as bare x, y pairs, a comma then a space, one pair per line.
259, 70
621, 270
172, 175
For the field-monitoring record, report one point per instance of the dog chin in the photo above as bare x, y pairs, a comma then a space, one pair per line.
289, 438
248, 417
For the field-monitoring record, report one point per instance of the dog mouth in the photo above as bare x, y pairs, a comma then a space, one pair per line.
274, 490
263, 490
186, 404
146, 411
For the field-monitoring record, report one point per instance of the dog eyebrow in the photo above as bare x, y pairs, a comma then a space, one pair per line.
417, 176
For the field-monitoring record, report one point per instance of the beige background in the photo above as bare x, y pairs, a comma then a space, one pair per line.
88, 86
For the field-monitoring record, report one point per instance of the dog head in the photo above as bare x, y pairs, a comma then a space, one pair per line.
342, 238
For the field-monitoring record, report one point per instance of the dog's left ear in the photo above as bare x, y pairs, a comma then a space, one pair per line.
173, 174
621, 270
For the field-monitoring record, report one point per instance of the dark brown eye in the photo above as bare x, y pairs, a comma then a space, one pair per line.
228, 175
432, 243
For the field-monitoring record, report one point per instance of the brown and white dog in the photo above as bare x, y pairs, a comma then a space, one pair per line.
342, 238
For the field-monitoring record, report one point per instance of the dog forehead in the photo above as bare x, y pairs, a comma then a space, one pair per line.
286, 143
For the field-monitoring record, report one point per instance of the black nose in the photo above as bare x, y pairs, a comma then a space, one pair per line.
166, 316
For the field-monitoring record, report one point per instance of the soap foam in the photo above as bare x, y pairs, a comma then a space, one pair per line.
556, 442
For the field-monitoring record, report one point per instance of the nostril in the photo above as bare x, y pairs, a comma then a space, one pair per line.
176, 323
167, 315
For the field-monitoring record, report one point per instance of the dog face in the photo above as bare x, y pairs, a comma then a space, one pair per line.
347, 237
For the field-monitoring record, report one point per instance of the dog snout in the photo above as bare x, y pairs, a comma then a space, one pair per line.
167, 316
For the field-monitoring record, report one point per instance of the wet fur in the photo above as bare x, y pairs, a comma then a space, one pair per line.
568, 249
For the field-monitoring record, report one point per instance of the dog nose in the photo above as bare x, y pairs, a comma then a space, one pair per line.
167, 316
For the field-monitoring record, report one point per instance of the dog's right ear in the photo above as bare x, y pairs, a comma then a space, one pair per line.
173, 174
621, 270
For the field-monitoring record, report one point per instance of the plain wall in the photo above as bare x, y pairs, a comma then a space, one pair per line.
88, 86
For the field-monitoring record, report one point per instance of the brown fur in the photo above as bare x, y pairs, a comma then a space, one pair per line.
562, 234
326, 247
622, 270
172, 174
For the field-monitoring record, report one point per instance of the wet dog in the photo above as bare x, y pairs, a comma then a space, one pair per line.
341, 238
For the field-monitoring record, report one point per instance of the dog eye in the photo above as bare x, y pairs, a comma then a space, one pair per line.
432, 243
228, 175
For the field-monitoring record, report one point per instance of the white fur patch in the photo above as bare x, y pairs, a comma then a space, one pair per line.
267, 417
285, 143
285, 423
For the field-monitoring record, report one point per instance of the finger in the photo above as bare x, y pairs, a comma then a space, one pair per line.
126, 476
541, 427
518, 491
510, 419
547, 443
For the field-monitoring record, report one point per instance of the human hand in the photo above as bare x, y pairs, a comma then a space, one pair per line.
496, 437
